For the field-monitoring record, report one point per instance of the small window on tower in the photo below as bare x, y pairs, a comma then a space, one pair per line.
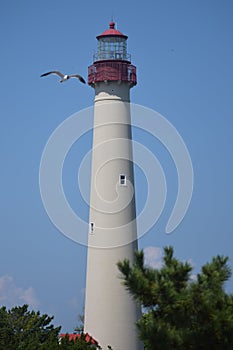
92, 227
122, 180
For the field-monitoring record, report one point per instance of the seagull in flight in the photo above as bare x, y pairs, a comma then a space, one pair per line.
64, 77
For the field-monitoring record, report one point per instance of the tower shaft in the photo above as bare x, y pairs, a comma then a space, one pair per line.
110, 311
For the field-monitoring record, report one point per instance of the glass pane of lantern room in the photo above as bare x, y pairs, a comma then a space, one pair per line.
112, 48
121, 48
101, 48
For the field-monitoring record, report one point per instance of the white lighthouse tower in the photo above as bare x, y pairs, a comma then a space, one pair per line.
110, 312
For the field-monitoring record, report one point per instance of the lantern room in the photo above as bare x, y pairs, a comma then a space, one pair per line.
112, 44
112, 62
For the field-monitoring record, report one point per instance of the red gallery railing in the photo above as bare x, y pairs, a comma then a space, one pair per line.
112, 71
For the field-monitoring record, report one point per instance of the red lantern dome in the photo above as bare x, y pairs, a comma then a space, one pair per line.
111, 31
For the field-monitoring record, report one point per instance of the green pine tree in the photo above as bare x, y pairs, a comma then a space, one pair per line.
26, 330
181, 313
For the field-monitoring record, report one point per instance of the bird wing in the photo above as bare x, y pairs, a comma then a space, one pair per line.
79, 77
53, 72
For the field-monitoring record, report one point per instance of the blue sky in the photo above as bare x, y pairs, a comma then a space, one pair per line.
183, 52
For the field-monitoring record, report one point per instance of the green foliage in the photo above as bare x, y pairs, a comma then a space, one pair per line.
26, 330
21, 329
80, 327
181, 313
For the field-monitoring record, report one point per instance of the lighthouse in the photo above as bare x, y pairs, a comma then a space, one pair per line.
110, 311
